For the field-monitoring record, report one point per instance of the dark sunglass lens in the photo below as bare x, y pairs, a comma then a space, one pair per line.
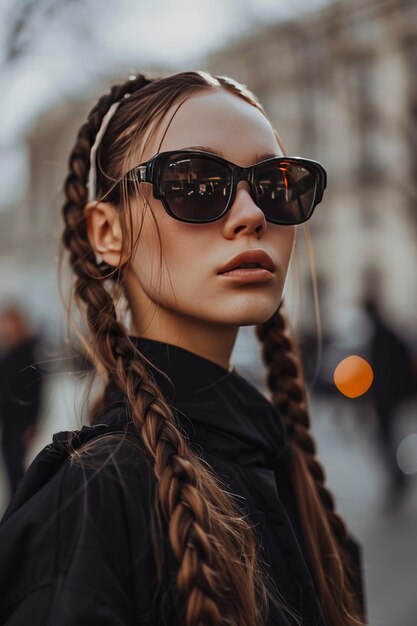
195, 188
286, 191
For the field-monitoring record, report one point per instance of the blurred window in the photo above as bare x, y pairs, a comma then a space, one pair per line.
367, 119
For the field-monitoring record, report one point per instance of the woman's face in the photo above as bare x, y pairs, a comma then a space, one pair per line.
182, 285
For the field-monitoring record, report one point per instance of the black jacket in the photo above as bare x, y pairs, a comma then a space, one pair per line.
75, 556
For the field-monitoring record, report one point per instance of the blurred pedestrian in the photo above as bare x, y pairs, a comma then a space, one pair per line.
394, 381
20, 390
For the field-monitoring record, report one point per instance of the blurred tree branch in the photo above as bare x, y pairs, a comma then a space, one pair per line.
28, 19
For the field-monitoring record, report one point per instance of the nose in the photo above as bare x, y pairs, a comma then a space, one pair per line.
244, 216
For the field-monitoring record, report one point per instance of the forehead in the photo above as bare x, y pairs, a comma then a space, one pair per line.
220, 120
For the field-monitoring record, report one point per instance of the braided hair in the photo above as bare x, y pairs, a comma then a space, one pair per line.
220, 579
325, 531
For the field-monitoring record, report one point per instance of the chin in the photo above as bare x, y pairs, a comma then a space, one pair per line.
251, 316
254, 320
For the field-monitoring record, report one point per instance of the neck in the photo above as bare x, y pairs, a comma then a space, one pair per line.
211, 341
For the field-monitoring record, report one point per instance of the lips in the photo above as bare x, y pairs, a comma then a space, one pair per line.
260, 257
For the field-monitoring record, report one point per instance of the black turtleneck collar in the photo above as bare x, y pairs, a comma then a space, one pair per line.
218, 409
191, 373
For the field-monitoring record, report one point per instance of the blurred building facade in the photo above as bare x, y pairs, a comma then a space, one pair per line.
339, 86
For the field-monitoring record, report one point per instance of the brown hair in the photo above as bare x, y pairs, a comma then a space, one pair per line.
220, 578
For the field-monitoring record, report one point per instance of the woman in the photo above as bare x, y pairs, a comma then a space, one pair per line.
190, 498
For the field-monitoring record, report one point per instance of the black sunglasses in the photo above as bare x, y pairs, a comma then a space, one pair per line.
200, 187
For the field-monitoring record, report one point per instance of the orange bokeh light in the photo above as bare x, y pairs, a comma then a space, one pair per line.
353, 376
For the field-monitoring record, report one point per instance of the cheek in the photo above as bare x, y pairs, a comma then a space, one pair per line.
186, 253
175, 256
283, 238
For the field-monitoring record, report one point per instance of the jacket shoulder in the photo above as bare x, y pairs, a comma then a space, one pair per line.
85, 529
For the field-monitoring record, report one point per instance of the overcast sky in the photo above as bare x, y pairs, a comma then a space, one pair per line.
51, 49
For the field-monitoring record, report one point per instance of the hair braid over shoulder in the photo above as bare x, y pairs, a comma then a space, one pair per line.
325, 531
286, 382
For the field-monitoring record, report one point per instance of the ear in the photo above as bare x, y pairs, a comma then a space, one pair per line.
104, 231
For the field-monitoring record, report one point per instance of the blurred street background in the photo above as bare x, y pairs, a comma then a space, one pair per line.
338, 82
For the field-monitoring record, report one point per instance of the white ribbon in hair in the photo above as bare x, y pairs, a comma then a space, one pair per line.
92, 176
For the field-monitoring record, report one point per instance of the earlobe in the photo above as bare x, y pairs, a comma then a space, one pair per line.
104, 231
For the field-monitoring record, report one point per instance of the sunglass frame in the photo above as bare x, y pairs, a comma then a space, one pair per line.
151, 171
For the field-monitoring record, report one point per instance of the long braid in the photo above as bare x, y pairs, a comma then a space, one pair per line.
286, 382
205, 528
287, 385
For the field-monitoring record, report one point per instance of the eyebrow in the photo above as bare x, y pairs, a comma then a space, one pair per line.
258, 157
